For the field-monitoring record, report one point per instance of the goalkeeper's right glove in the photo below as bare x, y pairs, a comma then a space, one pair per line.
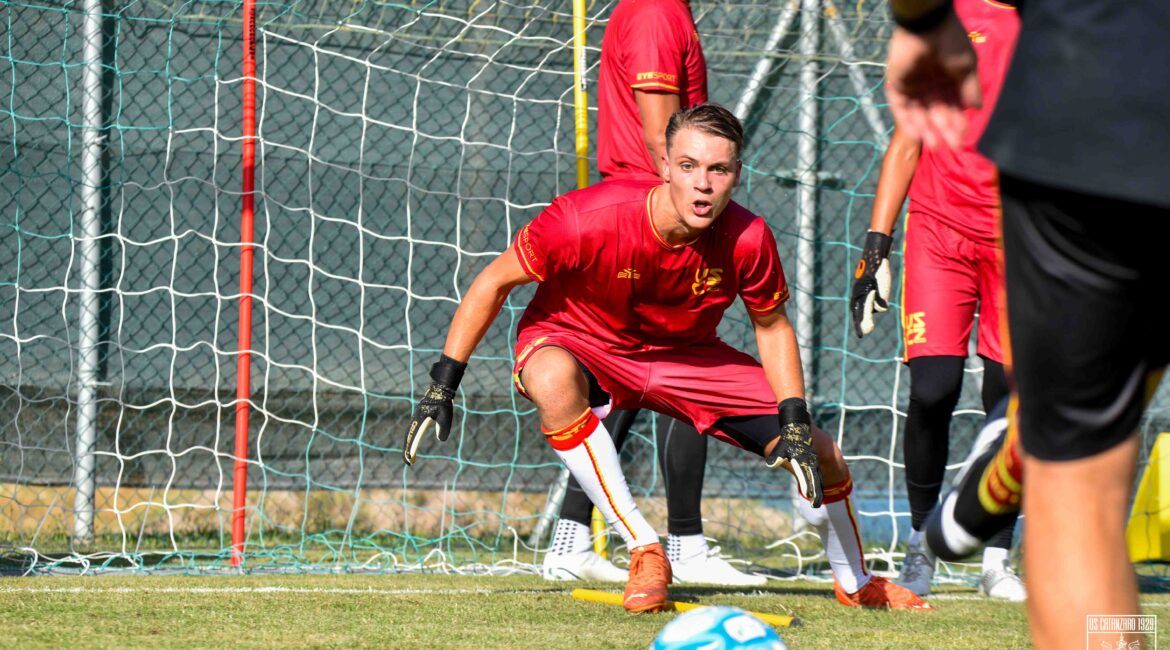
871, 286
796, 448
436, 407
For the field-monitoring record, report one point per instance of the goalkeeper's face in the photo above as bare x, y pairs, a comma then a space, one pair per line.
701, 170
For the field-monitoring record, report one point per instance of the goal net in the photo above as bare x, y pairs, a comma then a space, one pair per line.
400, 146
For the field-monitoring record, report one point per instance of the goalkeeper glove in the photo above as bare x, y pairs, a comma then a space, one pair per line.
871, 284
796, 448
435, 408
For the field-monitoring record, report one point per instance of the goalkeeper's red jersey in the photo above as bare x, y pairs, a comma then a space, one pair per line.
605, 272
649, 45
960, 187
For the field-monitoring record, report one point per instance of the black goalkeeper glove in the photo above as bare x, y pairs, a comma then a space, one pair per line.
435, 409
871, 286
796, 448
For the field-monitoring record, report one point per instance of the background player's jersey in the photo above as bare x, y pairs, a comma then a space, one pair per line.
960, 186
649, 45
606, 273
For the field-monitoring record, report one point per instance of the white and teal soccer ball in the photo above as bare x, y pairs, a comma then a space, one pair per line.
717, 628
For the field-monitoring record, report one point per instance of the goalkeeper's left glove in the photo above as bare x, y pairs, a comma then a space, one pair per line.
796, 448
436, 407
871, 284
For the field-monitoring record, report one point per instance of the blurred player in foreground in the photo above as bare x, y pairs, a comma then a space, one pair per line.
951, 262
651, 66
958, 526
1083, 175
633, 283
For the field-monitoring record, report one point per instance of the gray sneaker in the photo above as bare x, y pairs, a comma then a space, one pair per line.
917, 570
1003, 584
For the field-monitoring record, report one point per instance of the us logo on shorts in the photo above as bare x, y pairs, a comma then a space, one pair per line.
914, 326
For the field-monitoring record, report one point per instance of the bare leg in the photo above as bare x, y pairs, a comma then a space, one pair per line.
1074, 551
556, 385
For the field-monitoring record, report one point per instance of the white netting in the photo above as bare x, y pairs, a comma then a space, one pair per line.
400, 147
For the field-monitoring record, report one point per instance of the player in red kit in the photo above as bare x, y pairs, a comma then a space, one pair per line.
634, 281
952, 268
651, 66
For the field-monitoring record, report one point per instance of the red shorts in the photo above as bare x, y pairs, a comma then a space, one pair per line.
697, 384
944, 276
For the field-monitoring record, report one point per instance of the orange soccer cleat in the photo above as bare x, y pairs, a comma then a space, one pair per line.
649, 575
880, 593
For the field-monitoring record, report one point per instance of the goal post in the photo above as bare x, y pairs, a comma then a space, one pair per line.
247, 255
89, 221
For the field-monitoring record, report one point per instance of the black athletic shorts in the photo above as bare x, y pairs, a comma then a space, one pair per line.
1087, 284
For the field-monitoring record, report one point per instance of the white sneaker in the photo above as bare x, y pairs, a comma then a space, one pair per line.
917, 570
1003, 584
585, 565
713, 570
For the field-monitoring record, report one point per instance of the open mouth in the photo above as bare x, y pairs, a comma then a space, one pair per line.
701, 208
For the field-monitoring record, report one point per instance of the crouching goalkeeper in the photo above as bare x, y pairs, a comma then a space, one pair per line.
634, 280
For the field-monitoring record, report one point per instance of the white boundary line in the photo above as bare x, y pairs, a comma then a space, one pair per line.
974, 597
267, 590
392, 592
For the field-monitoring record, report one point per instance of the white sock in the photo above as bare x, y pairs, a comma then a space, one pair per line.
685, 547
593, 461
816, 517
842, 543
994, 558
571, 537
915, 538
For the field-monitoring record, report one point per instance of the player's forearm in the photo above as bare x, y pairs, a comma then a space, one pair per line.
780, 356
481, 304
472, 320
655, 109
898, 166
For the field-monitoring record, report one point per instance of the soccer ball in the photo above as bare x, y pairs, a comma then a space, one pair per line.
717, 628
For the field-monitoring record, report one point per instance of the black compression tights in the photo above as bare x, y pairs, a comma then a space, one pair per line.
682, 455
935, 384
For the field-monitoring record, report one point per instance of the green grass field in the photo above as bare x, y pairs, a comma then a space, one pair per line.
442, 611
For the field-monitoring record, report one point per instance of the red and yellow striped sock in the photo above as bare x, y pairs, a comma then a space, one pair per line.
586, 448
571, 435
1002, 482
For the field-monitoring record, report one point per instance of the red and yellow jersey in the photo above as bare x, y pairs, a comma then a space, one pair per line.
960, 186
606, 273
649, 45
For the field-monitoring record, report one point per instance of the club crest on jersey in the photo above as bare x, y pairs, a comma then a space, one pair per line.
707, 281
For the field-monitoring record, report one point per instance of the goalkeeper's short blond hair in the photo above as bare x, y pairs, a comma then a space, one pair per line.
711, 119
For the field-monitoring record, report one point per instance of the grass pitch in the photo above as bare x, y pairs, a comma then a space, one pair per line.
441, 611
